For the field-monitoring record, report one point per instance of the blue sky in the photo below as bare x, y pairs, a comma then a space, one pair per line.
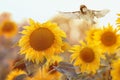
42, 10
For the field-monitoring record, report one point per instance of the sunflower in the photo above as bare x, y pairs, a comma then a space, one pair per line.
115, 72
8, 29
118, 19
41, 40
90, 35
14, 74
38, 76
50, 64
66, 46
108, 39
43, 75
86, 56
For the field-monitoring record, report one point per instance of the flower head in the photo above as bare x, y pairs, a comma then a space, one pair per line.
108, 39
14, 74
115, 72
86, 56
41, 40
8, 29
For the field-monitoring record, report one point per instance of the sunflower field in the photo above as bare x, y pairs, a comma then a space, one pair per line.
68, 46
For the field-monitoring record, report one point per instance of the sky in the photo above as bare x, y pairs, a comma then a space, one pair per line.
43, 10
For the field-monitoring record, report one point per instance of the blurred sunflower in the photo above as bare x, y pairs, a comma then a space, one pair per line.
8, 29
41, 40
108, 39
66, 46
118, 19
86, 56
14, 74
115, 72
90, 35
42, 75
50, 64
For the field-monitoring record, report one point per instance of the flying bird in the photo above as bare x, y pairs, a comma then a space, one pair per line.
76, 23
86, 14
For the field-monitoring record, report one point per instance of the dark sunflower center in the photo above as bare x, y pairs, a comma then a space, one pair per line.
41, 39
87, 55
8, 27
108, 38
51, 68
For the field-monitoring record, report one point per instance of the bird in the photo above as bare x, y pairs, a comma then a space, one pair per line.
76, 23
86, 14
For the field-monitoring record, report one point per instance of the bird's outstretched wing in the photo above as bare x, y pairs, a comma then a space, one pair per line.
71, 15
100, 13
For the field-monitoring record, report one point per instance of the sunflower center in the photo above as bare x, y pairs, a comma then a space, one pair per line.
41, 39
87, 55
51, 68
108, 38
8, 27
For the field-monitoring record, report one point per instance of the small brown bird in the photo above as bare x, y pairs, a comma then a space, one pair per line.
76, 23
86, 14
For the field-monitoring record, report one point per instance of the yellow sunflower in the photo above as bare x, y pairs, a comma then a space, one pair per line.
14, 74
41, 40
8, 29
66, 46
118, 19
115, 72
86, 56
50, 64
90, 35
108, 39
43, 75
